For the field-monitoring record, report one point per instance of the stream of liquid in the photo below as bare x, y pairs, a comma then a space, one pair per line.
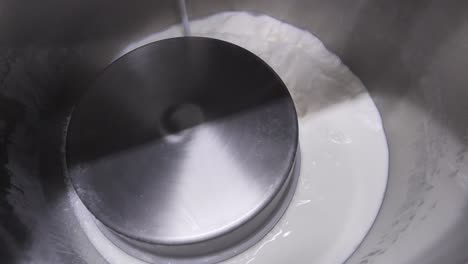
184, 18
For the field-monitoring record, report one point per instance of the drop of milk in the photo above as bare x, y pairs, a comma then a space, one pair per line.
344, 150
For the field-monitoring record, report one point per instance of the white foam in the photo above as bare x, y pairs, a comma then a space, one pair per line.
344, 149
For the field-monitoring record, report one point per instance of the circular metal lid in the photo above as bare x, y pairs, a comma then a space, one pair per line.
183, 147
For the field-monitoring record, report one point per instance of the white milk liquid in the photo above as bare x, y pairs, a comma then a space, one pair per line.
343, 145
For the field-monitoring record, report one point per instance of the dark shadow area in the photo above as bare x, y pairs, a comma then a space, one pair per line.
59, 24
47, 83
13, 234
37, 86
131, 101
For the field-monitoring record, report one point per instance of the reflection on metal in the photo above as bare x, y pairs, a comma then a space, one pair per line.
185, 149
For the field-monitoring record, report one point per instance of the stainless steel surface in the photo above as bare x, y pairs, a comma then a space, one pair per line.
412, 55
184, 147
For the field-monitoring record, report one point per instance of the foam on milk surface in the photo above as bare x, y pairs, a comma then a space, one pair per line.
344, 150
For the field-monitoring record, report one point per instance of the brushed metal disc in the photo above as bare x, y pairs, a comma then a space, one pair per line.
184, 148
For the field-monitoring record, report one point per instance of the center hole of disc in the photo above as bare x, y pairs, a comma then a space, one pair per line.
182, 117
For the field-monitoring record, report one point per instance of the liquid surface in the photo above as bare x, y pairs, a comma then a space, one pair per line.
343, 145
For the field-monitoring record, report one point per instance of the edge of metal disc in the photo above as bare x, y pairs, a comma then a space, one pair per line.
203, 252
